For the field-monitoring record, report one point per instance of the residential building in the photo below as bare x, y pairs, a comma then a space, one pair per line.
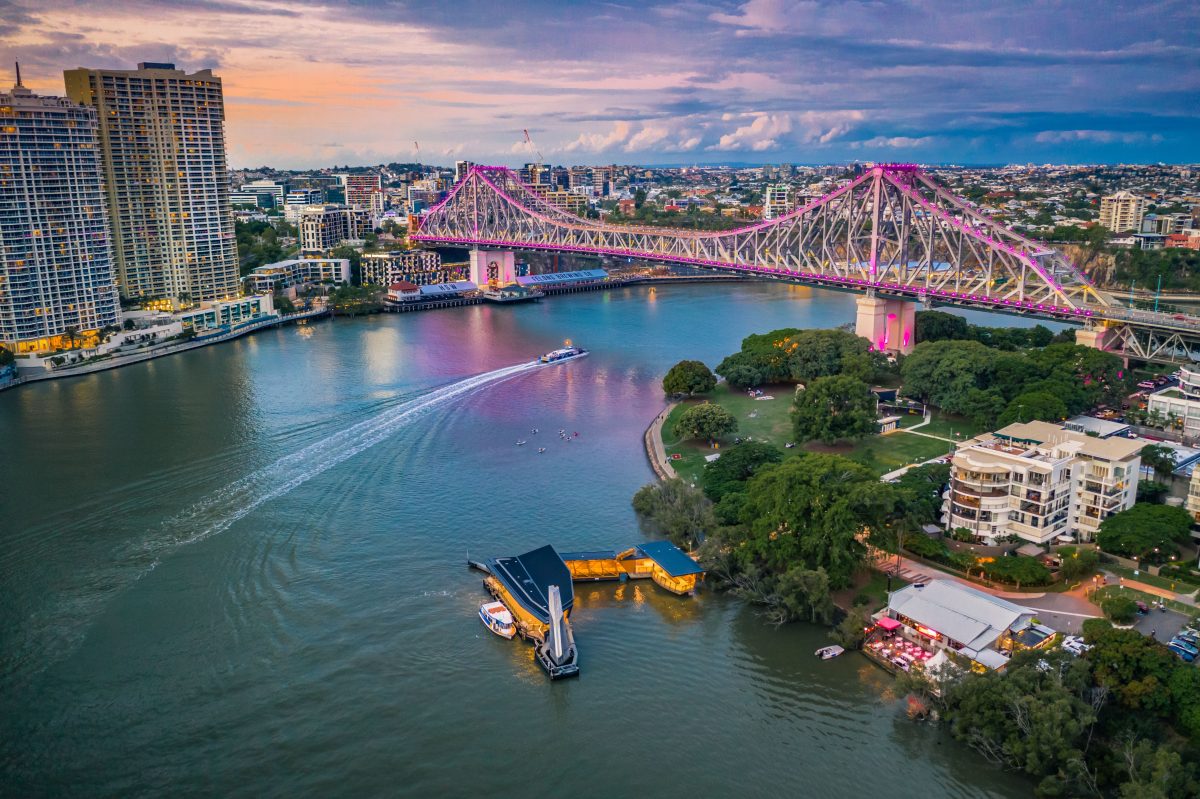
162, 142
1122, 211
951, 616
461, 168
282, 275
1179, 405
562, 200
226, 314
57, 286
1040, 482
603, 178
297, 199
323, 227
778, 201
363, 191
1193, 499
420, 267
580, 178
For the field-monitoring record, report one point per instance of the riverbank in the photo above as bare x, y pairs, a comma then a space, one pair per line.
116, 362
652, 439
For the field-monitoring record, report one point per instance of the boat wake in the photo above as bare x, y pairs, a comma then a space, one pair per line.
55, 631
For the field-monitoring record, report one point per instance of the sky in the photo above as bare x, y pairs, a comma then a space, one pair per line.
311, 83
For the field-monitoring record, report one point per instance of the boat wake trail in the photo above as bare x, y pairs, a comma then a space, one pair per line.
53, 632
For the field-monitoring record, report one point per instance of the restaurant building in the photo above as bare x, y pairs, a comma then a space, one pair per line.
925, 618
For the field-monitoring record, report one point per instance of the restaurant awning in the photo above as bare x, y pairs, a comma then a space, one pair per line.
888, 623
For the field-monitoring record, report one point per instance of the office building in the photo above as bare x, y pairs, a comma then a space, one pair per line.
162, 141
363, 191
57, 287
259, 193
1041, 482
323, 227
297, 200
1122, 211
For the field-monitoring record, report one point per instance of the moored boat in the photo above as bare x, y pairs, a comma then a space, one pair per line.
497, 619
829, 652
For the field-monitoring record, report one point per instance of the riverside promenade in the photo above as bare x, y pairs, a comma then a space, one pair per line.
150, 353
659, 461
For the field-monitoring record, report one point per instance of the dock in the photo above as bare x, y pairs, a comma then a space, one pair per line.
538, 590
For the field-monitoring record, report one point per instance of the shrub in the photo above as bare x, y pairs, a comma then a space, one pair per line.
1120, 609
1020, 570
926, 547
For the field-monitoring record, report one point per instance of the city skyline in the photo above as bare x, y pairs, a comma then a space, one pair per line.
310, 85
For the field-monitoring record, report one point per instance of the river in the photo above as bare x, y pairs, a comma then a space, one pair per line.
239, 571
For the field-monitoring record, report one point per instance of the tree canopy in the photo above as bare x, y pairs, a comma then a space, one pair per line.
689, 377
1136, 532
736, 465
676, 510
708, 422
834, 408
790, 355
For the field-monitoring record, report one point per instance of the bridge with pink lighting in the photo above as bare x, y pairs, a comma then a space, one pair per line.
893, 235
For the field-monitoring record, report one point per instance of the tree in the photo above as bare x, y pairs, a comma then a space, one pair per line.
736, 465
689, 377
1138, 531
1034, 406
1020, 570
1159, 458
811, 510
1120, 609
6, 357
1078, 563
707, 421
1151, 491
940, 326
851, 631
834, 408
945, 372
673, 508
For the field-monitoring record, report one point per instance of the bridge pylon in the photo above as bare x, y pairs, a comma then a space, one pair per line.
888, 323
493, 266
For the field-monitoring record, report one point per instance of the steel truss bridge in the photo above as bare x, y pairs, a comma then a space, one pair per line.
892, 233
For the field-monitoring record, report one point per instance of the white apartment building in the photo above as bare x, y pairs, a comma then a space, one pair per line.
419, 267
297, 200
778, 201
1180, 404
282, 275
57, 286
1040, 482
323, 227
1122, 211
162, 143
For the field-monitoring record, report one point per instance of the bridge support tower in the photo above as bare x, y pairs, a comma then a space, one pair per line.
493, 266
888, 323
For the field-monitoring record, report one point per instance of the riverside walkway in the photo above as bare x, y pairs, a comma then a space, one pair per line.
657, 455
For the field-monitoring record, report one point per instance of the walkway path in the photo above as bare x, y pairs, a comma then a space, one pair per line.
659, 461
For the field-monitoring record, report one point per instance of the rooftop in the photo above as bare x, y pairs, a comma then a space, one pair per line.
957, 611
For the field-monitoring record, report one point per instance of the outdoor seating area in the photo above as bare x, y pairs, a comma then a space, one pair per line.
895, 649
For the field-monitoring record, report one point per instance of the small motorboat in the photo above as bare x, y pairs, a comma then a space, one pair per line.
541, 450
829, 652
520, 443
497, 619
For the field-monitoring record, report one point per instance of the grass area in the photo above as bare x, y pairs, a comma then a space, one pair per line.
1108, 591
950, 426
1178, 586
876, 588
771, 422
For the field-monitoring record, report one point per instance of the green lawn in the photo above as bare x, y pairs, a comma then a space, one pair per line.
1108, 591
772, 423
1178, 586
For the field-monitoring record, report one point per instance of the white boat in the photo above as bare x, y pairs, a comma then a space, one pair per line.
565, 354
829, 652
497, 619
520, 443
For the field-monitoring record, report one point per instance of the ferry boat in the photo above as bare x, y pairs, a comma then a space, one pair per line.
497, 619
565, 354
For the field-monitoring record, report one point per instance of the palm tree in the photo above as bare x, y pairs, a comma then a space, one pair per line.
71, 333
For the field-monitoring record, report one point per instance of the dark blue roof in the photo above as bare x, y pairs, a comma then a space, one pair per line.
599, 554
670, 558
528, 578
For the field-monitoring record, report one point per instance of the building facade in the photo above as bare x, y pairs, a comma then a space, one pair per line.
57, 285
1039, 481
259, 193
1122, 211
363, 191
162, 140
323, 227
282, 275
778, 201
1179, 405
419, 267
461, 168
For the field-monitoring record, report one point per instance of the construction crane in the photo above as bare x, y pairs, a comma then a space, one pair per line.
532, 148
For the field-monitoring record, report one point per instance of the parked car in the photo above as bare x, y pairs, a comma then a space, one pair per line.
1183, 654
1146, 384
1142, 607
1075, 645
1189, 637
1185, 646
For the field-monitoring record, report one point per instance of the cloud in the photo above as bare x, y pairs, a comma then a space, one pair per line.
894, 142
1096, 136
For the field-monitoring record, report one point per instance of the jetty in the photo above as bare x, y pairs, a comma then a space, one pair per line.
538, 590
